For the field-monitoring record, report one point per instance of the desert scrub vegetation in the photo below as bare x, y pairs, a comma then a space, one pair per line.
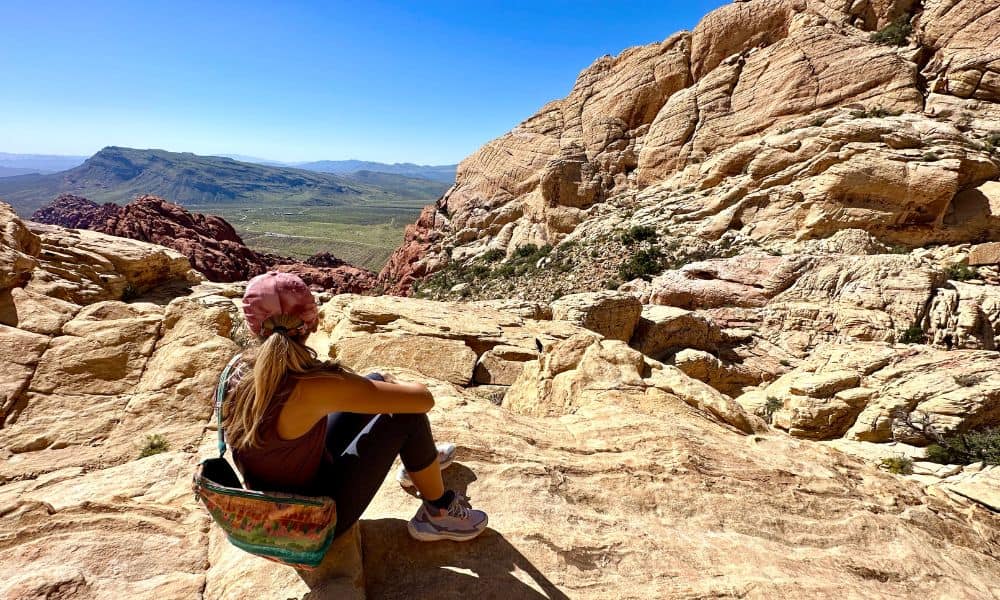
770, 407
896, 33
992, 142
876, 112
899, 464
957, 448
962, 272
638, 233
967, 448
489, 266
644, 264
130, 292
914, 334
155, 444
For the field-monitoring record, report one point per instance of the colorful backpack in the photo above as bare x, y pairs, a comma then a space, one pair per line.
287, 528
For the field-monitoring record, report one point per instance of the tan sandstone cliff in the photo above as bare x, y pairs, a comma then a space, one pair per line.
772, 119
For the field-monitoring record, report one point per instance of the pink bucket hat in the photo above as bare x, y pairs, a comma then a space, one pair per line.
273, 294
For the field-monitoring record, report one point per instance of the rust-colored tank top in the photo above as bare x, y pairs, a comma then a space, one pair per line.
277, 464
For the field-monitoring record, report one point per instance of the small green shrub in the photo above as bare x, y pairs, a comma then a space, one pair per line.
525, 251
914, 334
992, 142
875, 113
962, 272
898, 465
155, 444
492, 256
786, 129
638, 233
478, 271
643, 265
969, 379
896, 33
506, 270
130, 292
819, 121
770, 407
931, 157
967, 448
612, 284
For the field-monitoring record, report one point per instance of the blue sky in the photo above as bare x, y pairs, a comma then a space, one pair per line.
424, 82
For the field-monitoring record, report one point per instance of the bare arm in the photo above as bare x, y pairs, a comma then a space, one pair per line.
347, 392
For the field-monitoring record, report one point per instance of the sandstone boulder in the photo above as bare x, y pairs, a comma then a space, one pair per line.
501, 364
747, 280
577, 369
82, 267
612, 314
448, 360
865, 391
480, 341
18, 246
729, 378
664, 328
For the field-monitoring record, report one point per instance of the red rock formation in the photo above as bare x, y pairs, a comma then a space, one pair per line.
210, 243
77, 212
405, 265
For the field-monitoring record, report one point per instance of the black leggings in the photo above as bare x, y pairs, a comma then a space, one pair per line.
360, 451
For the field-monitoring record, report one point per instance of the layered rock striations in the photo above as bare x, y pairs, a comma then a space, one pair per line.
773, 119
212, 245
790, 179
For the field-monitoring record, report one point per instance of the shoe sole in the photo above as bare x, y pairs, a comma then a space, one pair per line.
408, 483
443, 536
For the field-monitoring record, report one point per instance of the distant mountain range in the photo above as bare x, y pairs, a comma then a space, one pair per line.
444, 173
23, 164
119, 174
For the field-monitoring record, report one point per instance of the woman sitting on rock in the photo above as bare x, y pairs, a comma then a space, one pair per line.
300, 425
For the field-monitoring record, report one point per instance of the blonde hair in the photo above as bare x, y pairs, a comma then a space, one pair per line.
277, 355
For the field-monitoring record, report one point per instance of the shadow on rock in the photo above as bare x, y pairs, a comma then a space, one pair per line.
456, 477
397, 566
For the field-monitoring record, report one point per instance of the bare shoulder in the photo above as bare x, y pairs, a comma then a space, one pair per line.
349, 392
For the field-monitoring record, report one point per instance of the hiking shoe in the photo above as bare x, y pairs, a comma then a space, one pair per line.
459, 522
446, 455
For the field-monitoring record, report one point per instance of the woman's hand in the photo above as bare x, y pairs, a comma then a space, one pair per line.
389, 378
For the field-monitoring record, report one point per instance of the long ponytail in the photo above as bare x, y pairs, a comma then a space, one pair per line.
277, 355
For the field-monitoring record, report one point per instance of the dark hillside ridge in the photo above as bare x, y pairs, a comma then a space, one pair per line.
119, 174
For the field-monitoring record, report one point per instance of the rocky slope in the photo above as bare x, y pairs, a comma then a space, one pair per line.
799, 197
772, 121
212, 245
604, 470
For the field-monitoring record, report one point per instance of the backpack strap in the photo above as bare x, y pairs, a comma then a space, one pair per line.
220, 395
